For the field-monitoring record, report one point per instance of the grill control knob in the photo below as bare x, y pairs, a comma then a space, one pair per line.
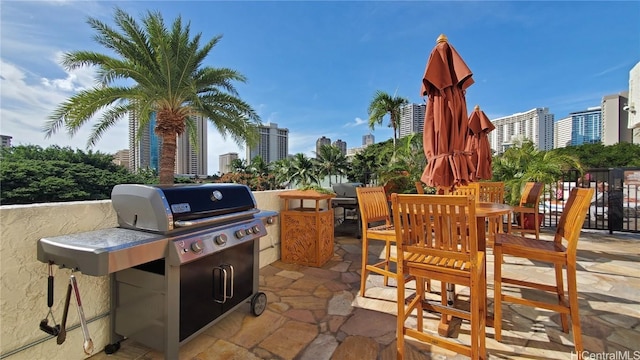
197, 246
221, 239
240, 233
256, 229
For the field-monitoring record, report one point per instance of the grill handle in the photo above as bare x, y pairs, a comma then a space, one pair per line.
215, 219
225, 279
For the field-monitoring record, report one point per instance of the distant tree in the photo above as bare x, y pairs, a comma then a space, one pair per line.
303, 172
282, 171
331, 161
164, 67
404, 163
604, 156
259, 167
238, 166
365, 165
31, 174
523, 162
383, 104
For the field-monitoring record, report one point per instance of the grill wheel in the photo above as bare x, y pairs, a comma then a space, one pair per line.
258, 303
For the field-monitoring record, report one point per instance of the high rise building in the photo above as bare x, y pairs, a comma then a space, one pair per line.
562, 133
225, 160
144, 144
586, 126
368, 139
411, 119
191, 159
122, 158
535, 125
615, 119
342, 145
321, 141
6, 140
633, 105
273, 144
144, 148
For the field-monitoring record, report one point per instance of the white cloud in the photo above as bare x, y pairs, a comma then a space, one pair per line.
356, 122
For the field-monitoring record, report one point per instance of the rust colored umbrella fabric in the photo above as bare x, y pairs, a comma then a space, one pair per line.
478, 143
445, 80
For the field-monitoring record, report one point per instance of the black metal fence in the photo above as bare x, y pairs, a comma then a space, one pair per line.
615, 205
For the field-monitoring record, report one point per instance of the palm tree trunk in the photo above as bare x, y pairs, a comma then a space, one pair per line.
167, 159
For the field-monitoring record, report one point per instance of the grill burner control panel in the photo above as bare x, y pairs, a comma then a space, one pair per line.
193, 246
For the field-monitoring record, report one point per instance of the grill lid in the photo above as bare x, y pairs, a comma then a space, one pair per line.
163, 208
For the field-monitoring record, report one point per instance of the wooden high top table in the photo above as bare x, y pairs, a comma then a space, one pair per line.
484, 210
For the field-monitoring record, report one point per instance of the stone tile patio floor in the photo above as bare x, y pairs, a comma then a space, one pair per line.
316, 313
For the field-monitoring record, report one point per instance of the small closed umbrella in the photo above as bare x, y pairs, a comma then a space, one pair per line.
478, 143
444, 82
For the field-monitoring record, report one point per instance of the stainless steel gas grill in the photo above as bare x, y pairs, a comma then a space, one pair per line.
182, 257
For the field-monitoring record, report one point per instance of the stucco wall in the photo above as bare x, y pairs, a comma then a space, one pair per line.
23, 284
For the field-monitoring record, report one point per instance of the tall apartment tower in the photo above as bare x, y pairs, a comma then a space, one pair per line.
6, 140
342, 145
586, 126
191, 159
144, 144
224, 162
368, 139
535, 125
562, 133
615, 119
411, 119
633, 105
273, 144
321, 141
145, 153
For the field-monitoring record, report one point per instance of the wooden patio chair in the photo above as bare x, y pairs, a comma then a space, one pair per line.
376, 225
528, 208
492, 191
470, 190
561, 252
437, 239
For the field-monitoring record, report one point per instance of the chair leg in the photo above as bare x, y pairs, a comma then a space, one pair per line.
497, 291
363, 272
564, 318
400, 319
419, 309
573, 303
386, 261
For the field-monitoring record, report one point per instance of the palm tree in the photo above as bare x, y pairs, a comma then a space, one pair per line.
238, 166
282, 171
156, 69
331, 161
383, 104
302, 171
523, 162
259, 167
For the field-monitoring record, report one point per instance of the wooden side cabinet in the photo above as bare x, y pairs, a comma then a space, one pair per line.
306, 227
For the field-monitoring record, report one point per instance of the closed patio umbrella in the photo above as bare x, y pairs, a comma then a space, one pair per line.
445, 80
478, 143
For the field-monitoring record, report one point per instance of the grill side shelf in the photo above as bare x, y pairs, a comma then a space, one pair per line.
103, 251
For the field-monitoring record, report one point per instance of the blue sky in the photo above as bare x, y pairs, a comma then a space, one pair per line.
314, 66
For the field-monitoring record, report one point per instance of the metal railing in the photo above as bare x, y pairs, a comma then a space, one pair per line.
615, 205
